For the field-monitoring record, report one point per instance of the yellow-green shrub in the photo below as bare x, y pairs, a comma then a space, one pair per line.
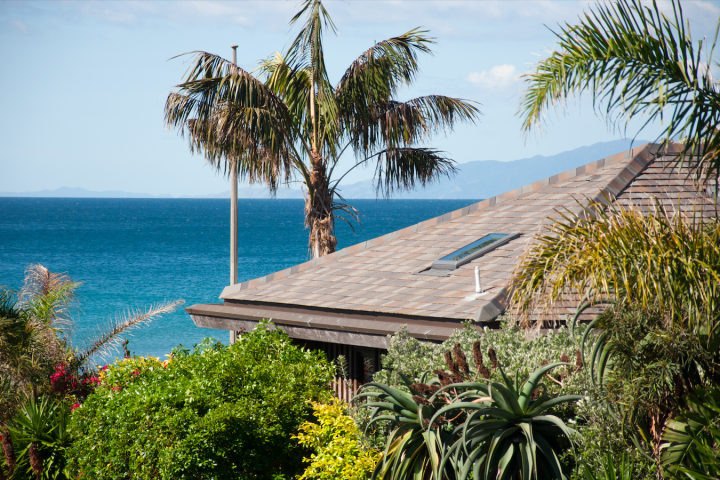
339, 454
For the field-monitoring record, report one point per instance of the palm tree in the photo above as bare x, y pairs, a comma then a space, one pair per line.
34, 327
635, 61
289, 122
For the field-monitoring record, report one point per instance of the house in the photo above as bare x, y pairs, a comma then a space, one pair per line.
423, 276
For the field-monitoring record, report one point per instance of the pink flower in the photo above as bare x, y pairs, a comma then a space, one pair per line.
104, 368
116, 389
72, 409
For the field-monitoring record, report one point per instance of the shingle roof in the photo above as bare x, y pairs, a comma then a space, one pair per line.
383, 274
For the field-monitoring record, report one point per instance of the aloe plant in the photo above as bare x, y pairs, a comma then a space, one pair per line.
417, 444
495, 430
510, 434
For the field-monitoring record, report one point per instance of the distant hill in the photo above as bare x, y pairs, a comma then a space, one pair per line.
475, 180
487, 178
68, 192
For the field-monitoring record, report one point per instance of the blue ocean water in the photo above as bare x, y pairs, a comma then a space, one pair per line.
130, 253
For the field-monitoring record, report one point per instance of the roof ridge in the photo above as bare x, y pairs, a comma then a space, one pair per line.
636, 163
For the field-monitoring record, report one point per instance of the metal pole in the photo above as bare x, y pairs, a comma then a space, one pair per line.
233, 217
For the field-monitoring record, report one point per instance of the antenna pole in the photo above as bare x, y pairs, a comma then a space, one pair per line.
233, 217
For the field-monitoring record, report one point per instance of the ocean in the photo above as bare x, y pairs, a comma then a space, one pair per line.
131, 253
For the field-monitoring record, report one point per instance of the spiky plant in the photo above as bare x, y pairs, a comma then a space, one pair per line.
660, 260
450, 428
419, 438
635, 61
33, 340
39, 433
692, 440
510, 433
290, 122
611, 470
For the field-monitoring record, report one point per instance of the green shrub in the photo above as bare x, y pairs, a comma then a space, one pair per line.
515, 348
339, 452
39, 437
525, 351
217, 412
454, 426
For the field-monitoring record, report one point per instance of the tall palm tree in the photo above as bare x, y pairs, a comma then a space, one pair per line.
289, 122
635, 61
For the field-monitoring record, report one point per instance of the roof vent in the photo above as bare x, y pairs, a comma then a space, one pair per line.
473, 250
712, 190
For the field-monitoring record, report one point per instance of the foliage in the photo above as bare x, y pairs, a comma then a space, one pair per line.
31, 338
36, 355
455, 425
692, 448
645, 367
215, 412
655, 261
41, 423
336, 441
602, 434
513, 435
638, 62
524, 351
290, 122
517, 349
622, 471
411, 447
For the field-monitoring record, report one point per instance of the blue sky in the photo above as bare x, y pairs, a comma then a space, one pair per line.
84, 83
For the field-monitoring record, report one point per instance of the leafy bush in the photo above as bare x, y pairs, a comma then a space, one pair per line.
645, 366
517, 349
216, 412
455, 426
692, 448
336, 440
39, 439
525, 351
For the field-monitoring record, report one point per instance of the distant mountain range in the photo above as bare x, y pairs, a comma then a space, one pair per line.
475, 180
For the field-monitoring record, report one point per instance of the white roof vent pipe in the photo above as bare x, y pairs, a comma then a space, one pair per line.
478, 287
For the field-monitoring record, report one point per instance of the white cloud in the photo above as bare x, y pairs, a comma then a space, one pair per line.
499, 76
22, 26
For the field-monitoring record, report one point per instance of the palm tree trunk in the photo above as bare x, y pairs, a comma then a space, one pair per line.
319, 216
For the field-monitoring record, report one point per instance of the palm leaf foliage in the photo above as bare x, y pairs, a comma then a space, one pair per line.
623, 470
454, 427
288, 122
34, 323
636, 61
658, 274
660, 260
40, 436
692, 448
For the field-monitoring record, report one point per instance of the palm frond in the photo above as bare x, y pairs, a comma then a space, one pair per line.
403, 168
636, 62
658, 260
377, 74
109, 339
403, 124
229, 114
47, 296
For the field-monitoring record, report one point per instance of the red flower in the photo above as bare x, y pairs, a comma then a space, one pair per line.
72, 409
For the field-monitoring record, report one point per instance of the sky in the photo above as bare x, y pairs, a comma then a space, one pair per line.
84, 83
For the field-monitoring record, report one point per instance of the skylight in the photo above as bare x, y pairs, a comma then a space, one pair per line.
473, 250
